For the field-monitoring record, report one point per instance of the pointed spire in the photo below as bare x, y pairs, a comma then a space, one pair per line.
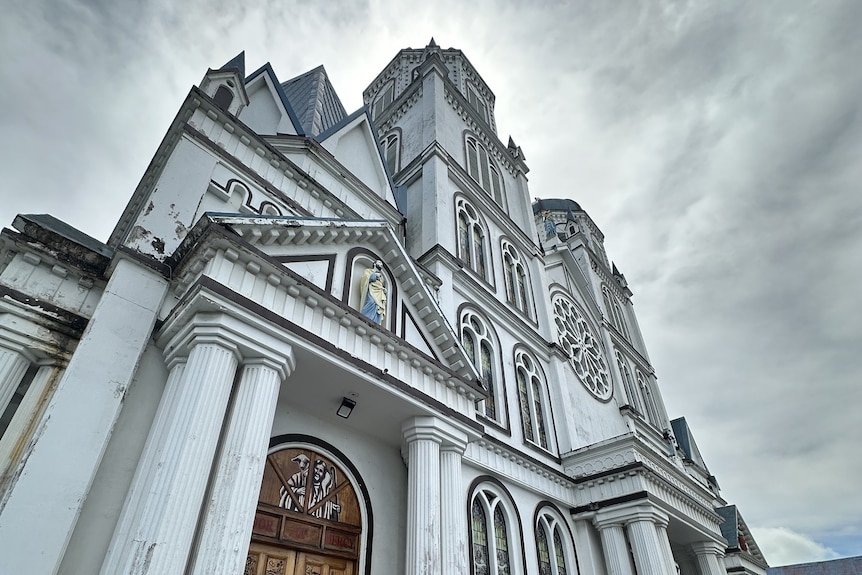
432, 43
236, 63
431, 48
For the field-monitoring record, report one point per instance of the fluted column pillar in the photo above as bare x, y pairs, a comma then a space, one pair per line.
229, 515
168, 499
423, 496
709, 554
648, 552
453, 508
614, 547
13, 365
664, 541
25, 418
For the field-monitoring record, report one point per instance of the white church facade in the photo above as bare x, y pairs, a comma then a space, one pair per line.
329, 343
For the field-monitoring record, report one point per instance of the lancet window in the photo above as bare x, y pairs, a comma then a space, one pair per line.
482, 169
652, 412
477, 339
472, 242
384, 99
615, 311
532, 399
390, 145
628, 383
492, 535
551, 545
515, 275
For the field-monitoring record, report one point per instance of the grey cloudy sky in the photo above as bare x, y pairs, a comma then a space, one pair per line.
717, 145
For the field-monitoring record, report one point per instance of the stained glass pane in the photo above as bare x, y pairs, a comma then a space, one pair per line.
483, 166
469, 345
498, 189
522, 289
544, 555
526, 418
558, 552
540, 420
479, 246
472, 160
488, 376
479, 525
501, 542
464, 239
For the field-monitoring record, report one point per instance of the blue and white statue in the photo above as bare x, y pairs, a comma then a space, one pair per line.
373, 288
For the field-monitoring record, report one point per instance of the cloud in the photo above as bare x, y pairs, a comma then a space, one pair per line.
782, 546
715, 143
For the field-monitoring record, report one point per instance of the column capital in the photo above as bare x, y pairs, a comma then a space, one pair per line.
709, 548
251, 341
630, 514
434, 429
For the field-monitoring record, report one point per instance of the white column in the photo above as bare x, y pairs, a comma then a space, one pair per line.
168, 500
423, 496
664, 541
78, 422
24, 420
614, 547
709, 554
229, 515
648, 553
13, 365
453, 510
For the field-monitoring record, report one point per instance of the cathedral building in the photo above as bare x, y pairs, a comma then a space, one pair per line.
321, 342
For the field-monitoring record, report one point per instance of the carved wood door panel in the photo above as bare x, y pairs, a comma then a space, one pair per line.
308, 564
275, 560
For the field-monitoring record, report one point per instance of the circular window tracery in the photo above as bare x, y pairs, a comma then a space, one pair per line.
583, 348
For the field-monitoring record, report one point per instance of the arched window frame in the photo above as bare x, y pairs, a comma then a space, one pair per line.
475, 99
615, 311
533, 400
390, 146
628, 381
472, 237
651, 408
586, 354
516, 278
480, 343
384, 97
492, 498
482, 168
561, 557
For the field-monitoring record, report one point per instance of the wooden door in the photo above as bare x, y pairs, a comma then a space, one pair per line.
276, 560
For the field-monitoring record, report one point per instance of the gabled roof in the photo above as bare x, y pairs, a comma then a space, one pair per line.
314, 100
686, 442
739, 538
291, 113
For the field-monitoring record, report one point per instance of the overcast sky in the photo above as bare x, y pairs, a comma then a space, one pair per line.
718, 145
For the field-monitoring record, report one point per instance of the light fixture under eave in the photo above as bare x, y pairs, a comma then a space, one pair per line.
346, 408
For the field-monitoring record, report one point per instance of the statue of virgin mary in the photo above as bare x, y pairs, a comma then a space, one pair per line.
373, 289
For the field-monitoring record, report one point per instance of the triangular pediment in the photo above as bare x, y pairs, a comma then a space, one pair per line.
331, 255
353, 143
268, 110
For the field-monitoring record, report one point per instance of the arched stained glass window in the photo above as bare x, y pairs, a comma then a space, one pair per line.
477, 341
551, 550
628, 384
472, 244
532, 399
482, 169
515, 276
649, 401
493, 549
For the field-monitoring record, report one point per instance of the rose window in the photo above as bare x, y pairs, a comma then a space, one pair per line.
583, 348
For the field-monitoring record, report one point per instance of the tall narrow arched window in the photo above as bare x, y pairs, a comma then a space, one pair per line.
515, 276
472, 242
649, 400
390, 146
483, 170
478, 342
383, 100
493, 533
626, 375
552, 545
532, 399
615, 311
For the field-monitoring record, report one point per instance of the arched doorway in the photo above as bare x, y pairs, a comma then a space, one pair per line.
310, 519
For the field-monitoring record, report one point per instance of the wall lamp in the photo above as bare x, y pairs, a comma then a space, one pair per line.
346, 407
